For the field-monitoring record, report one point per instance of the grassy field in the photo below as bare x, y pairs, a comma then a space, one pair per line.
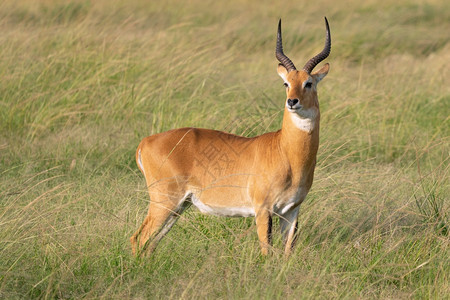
82, 82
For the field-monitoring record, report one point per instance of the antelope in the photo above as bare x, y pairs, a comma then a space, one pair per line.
224, 174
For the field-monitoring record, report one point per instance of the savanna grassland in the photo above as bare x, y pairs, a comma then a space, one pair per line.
82, 82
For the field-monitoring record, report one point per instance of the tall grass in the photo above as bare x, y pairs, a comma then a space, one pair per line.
81, 82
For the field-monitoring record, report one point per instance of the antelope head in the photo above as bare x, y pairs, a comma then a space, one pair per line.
301, 84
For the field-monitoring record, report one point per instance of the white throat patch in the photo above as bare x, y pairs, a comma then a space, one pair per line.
304, 119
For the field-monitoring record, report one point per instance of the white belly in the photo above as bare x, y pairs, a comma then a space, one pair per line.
223, 211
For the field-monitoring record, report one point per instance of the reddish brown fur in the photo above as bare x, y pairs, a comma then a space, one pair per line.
269, 174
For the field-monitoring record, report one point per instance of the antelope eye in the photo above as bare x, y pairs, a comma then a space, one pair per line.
308, 85
285, 84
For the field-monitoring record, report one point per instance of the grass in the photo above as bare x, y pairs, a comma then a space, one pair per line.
82, 82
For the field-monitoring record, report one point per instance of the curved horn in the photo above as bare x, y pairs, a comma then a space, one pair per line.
283, 59
309, 66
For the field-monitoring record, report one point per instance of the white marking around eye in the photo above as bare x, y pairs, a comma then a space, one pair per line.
306, 81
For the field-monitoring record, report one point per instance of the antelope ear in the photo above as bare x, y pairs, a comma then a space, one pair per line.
282, 71
320, 74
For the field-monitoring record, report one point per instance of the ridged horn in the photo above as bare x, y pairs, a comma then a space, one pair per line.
309, 66
283, 59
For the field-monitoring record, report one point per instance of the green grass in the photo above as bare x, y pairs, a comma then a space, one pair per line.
82, 82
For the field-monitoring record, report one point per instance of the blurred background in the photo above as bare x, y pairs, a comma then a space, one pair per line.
82, 82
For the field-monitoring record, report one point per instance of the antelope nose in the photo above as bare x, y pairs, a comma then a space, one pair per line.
292, 102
